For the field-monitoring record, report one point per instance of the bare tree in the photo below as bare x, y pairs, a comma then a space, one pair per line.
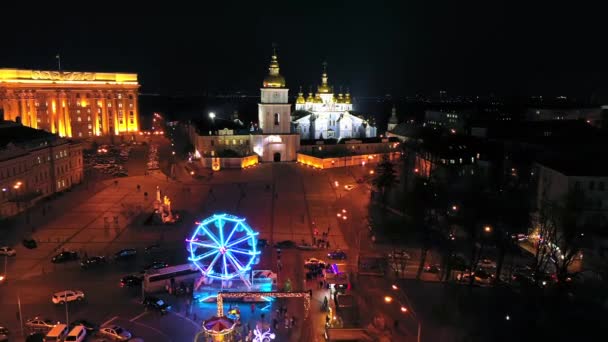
560, 234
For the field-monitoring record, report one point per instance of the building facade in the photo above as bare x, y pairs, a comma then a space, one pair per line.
71, 104
34, 164
272, 140
329, 116
555, 181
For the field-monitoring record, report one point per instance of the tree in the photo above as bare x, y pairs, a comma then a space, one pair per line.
385, 177
560, 234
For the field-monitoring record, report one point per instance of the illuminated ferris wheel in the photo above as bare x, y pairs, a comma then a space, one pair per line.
223, 247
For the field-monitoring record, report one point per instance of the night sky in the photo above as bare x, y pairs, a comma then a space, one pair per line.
373, 47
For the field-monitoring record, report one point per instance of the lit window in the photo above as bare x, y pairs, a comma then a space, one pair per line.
120, 105
80, 134
89, 118
78, 119
90, 126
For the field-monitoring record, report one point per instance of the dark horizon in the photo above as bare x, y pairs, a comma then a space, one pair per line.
475, 48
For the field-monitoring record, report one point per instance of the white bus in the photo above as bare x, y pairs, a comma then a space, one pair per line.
156, 280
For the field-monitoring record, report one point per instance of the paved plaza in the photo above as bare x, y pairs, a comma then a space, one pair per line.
283, 201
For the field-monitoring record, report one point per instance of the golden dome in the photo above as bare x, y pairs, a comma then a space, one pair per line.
324, 87
347, 99
310, 98
300, 99
274, 79
318, 99
340, 98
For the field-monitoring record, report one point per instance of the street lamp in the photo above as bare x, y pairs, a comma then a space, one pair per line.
388, 299
405, 310
487, 229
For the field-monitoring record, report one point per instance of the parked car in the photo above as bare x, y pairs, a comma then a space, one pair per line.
94, 261
65, 256
35, 337
125, 254
156, 304
314, 263
4, 334
39, 324
131, 280
487, 263
337, 254
115, 332
8, 251
89, 327
29, 243
67, 296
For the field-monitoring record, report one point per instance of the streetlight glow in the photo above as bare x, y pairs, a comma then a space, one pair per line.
487, 229
388, 299
394, 287
403, 309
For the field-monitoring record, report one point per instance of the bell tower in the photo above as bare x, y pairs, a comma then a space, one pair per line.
274, 110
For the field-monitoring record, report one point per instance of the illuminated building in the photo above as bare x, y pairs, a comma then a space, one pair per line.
71, 104
329, 116
272, 140
34, 164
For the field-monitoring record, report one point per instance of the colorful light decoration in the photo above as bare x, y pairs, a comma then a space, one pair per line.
262, 336
223, 247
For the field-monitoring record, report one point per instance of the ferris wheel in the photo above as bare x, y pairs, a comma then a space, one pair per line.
223, 247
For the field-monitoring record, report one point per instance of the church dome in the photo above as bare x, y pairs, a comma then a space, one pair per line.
324, 86
300, 99
274, 79
347, 98
318, 98
340, 98
310, 98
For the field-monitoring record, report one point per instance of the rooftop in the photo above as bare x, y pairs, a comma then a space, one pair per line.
73, 77
11, 132
209, 126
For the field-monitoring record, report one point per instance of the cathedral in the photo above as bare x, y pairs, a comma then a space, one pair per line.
278, 134
328, 116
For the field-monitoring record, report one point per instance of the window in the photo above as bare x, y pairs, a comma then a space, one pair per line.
276, 119
78, 119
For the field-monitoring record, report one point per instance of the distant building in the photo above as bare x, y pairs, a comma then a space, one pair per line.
34, 164
557, 178
71, 104
591, 115
393, 121
449, 120
328, 116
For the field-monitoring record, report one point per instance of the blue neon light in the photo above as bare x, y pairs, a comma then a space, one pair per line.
223, 246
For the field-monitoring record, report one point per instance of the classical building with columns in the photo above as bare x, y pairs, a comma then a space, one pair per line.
71, 104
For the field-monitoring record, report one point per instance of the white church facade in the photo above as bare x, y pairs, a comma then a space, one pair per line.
278, 134
329, 116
